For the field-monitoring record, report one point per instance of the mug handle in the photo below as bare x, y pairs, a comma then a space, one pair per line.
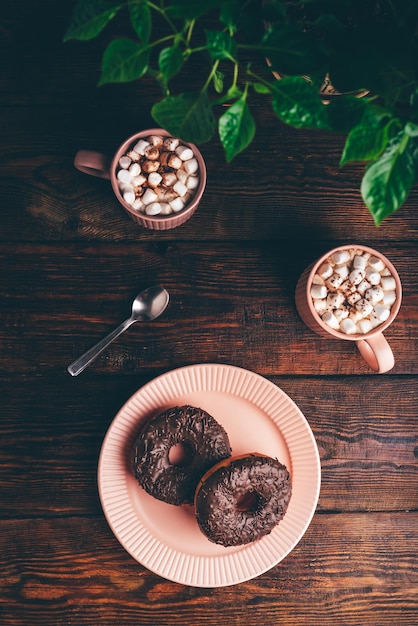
93, 163
377, 353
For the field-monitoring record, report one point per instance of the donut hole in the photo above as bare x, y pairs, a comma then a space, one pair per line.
180, 454
248, 502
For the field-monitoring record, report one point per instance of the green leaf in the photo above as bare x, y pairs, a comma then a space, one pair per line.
229, 14
411, 129
367, 140
218, 81
236, 128
260, 88
90, 17
170, 62
187, 116
141, 19
297, 103
389, 179
220, 45
345, 112
233, 93
124, 60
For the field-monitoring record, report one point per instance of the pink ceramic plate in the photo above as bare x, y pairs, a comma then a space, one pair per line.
258, 417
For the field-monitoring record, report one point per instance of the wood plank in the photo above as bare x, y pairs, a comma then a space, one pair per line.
298, 191
52, 430
241, 301
348, 569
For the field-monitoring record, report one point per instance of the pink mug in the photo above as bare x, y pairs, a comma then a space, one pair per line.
98, 164
370, 342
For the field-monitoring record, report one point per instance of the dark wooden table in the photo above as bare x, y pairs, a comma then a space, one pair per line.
72, 261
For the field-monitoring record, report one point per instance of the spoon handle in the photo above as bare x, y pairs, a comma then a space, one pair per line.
85, 359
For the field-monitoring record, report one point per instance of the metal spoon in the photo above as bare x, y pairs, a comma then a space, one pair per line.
147, 306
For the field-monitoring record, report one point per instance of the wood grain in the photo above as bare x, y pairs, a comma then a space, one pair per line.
50, 441
230, 303
78, 573
71, 264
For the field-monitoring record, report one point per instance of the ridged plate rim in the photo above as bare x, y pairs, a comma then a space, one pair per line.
232, 566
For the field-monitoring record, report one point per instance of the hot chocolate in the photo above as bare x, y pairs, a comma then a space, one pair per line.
158, 175
353, 291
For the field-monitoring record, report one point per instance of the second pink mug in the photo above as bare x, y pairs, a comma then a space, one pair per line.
98, 164
371, 343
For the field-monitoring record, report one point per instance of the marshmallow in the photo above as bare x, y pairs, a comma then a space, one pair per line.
154, 179
376, 263
155, 140
177, 204
389, 298
363, 287
150, 166
356, 276
191, 166
138, 181
355, 316
348, 326
318, 292
134, 156
169, 179
342, 271
180, 188
381, 312
125, 161
335, 299
353, 298
182, 176
129, 197
320, 306
184, 152
340, 257
165, 208
135, 169
341, 313
330, 320
137, 204
170, 143
140, 146
124, 176
364, 326
334, 281
372, 276
175, 162
388, 283
151, 153
317, 280
365, 307
325, 271
149, 196
374, 294
359, 262
347, 287
192, 182
153, 209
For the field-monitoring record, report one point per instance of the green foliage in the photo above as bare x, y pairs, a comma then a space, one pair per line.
188, 116
236, 128
365, 46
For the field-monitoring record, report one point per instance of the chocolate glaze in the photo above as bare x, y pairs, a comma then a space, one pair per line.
204, 438
242, 499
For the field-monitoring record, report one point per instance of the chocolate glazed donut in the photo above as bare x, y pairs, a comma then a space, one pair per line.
242, 499
198, 438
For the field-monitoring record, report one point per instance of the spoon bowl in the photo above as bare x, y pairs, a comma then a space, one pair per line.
147, 306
